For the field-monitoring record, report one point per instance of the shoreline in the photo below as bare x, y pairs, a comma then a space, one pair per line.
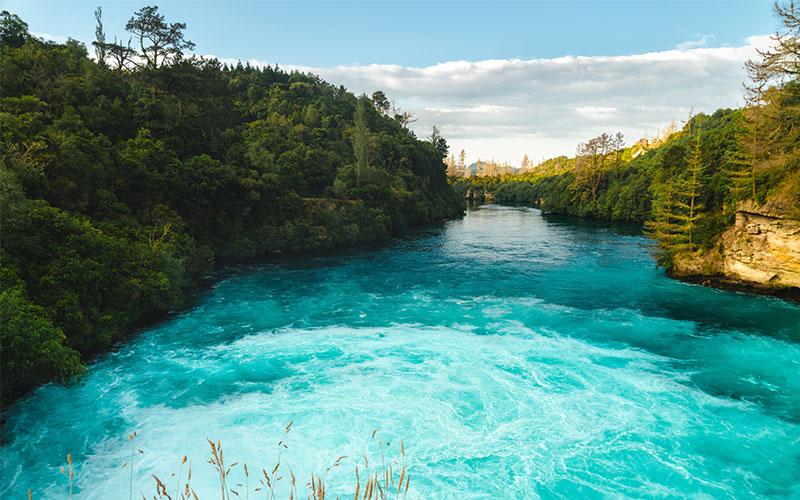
789, 294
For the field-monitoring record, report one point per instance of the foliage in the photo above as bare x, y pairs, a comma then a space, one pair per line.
31, 346
166, 42
122, 185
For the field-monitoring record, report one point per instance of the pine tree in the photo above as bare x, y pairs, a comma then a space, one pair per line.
690, 208
677, 209
665, 228
749, 155
775, 81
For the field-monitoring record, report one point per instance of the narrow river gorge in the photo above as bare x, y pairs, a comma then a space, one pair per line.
517, 355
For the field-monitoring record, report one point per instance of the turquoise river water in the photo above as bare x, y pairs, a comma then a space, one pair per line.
517, 355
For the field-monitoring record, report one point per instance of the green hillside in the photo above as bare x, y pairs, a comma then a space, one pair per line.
124, 181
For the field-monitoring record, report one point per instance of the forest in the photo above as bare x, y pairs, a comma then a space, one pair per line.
127, 176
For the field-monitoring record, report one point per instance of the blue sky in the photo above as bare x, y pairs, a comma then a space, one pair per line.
419, 33
380, 44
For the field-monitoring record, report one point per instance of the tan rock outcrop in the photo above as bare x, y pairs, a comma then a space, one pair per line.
761, 249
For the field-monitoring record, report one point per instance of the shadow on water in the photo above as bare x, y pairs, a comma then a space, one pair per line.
621, 228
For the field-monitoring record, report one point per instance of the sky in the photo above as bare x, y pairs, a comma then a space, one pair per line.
500, 79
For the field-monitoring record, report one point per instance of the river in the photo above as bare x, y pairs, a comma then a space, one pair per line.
517, 355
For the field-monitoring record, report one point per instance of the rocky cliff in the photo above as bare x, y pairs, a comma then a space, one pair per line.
760, 252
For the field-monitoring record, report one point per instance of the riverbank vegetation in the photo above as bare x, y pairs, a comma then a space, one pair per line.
606, 181
127, 176
686, 184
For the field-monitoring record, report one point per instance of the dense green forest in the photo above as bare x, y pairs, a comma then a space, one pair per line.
127, 176
686, 185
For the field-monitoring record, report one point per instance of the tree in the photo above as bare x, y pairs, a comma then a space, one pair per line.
100, 37
526, 163
664, 227
749, 154
452, 169
33, 349
380, 102
775, 84
405, 118
361, 139
781, 62
462, 163
13, 30
591, 163
122, 57
676, 209
439, 142
691, 191
619, 144
166, 42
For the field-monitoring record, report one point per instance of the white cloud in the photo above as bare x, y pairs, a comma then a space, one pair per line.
596, 112
699, 40
544, 107
481, 109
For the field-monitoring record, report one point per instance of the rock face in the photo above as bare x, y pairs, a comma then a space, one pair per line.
761, 250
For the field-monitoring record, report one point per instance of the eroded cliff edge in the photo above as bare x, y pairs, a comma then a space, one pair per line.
760, 252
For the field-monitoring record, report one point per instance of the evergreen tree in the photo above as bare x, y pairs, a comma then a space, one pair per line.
439, 142
780, 63
665, 228
748, 156
690, 209
160, 42
775, 82
677, 209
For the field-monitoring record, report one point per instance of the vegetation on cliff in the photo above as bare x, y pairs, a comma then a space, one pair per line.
126, 177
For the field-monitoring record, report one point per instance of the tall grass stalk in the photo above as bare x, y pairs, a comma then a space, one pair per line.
369, 484
69, 461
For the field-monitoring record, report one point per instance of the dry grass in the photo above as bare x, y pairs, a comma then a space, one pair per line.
71, 475
380, 483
